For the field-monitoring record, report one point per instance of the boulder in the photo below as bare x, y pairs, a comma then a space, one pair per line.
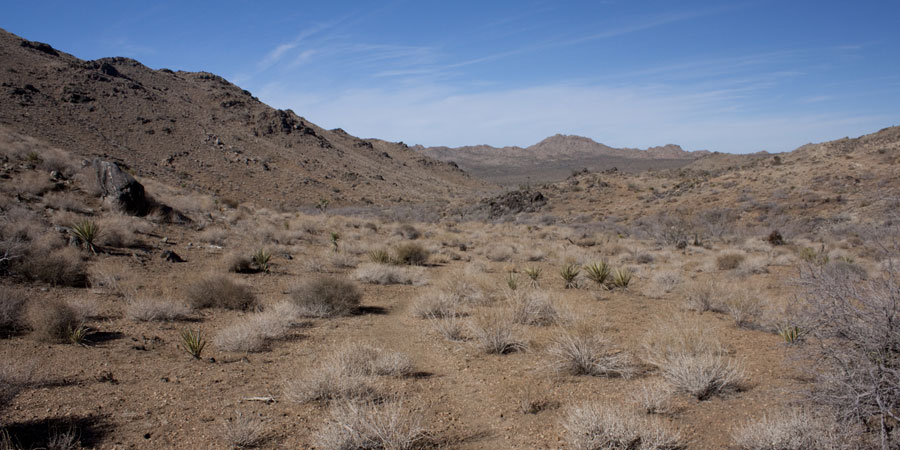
120, 189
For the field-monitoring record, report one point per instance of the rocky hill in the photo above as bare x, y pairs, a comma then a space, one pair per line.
198, 131
557, 157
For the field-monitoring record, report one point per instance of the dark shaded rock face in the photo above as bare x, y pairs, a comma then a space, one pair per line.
514, 202
121, 189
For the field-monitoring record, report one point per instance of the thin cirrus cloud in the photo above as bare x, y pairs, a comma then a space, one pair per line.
426, 94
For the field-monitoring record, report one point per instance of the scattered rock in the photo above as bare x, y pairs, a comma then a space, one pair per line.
120, 189
171, 256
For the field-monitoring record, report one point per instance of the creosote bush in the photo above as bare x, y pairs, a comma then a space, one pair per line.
326, 297
218, 291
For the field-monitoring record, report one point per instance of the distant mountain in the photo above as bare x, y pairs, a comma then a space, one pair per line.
556, 157
198, 131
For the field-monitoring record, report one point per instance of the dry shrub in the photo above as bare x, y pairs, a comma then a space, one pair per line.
703, 296
499, 252
593, 426
147, 309
214, 236
59, 267
586, 353
12, 311
532, 308
112, 277
343, 260
663, 282
326, 297
495, 333
52, 320
383, 274
451, 328
856, 353
729, 261
792, 429
691, 358
411, 254
744, 307
119, 231
244, 431
239, 262
653, 398
218, 291
34, 184
348, 373
254, 332
370, 425
450, 299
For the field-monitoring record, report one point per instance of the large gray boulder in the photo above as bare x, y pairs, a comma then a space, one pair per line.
120, 189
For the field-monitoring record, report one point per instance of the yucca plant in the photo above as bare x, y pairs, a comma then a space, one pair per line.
791, 334
598, 272
192, 342
533, 273
77, 335
380, 256
335, 237
261, 260
569, 274
86, 232
621, 277
512, 281
322, 205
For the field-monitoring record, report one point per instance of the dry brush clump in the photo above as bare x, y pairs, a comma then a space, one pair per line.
857, 350
653, 398
792, 429
595, 426
326, 297
451, 298
533, 308
585, 352
254, 332
219, 291
349, 373
692, 359
244, 431
371, 425
54, 320
384, 274
411, 254
12, 311
147, 309
496, 333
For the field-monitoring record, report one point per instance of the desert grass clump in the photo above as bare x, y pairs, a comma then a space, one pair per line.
85, 234
380, 256
411, 254
54, 321
597, 272
586, 353
437, 304
569, 274
372, 425
594, 426
496, 333
729, 261
244, 431
192, 342
12, 311
365, 360
533, 308
383, 274
326, 297
451, 328
147, 309
58, 267
792, 429
621, 278
217, 291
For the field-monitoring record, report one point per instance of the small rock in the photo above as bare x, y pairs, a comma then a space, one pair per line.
171, 256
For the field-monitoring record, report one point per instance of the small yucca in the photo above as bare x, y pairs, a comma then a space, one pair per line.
512, 281
569, 274
77, 335
533, 273
86, 232
621, 278
192, 342
380, 256
791, 334
261, 260
335, 238
597, 272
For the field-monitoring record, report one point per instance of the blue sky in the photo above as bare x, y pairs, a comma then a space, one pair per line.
729, 76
